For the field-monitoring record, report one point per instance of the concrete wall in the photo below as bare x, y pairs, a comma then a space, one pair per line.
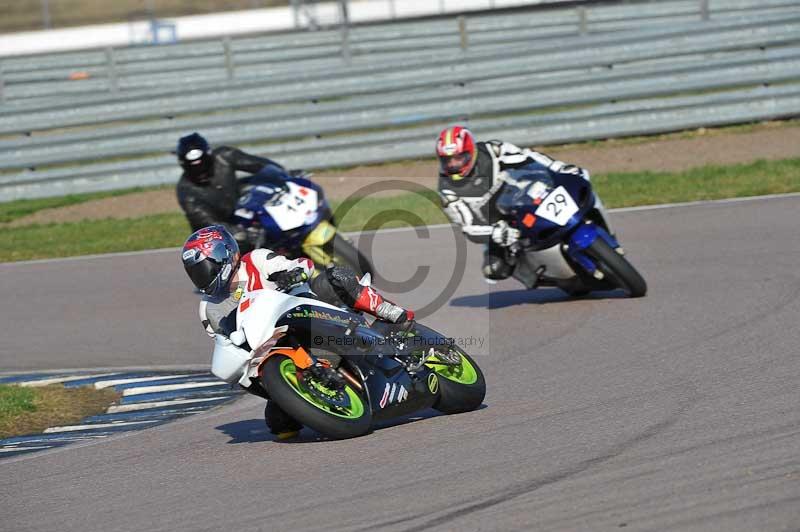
235, 23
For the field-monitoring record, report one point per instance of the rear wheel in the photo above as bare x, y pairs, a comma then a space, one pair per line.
336, 411
461, 386
617, 268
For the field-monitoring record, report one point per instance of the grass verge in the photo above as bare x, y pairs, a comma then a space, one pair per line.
40, 241
705, 183
616, 189
31, 410
17, 209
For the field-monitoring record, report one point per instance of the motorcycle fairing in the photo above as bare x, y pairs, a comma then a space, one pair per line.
260, 311
525, 190
393, 392
582, 238
316, 239
255, 205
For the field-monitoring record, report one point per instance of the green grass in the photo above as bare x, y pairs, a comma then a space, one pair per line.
17, 209
383, 213
31, 410
616, 189
706, 183
15, 401
40, 241
92, 236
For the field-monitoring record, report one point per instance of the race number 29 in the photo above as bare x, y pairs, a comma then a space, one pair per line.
558, 207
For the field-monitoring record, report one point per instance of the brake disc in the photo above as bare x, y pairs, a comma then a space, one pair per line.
451, 357
328, 388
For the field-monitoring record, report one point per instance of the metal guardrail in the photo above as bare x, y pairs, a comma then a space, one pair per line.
524, 76
148, 86
548, 85
590, 52
726, 73
588, 17
206, 55
163, 170
382, 32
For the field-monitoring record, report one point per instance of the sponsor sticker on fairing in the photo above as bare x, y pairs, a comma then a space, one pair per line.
433, 383
393, 393
189, 254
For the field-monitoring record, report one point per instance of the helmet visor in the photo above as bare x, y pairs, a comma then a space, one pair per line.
198, 170
194, 156
455, 164
203, 274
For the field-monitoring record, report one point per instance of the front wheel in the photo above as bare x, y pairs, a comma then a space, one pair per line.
617, 268
338, 412
461, 386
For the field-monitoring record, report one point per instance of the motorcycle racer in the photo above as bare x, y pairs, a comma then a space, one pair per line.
212, 261
471, 176
208, 188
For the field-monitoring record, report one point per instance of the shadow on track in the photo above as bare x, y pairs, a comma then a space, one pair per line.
539, 296
255, 430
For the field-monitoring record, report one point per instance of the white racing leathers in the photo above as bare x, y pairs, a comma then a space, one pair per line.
254, 271
469, 202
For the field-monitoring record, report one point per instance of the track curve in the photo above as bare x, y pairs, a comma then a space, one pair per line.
675, 411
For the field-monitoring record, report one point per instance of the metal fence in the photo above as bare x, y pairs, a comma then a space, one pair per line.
637, 69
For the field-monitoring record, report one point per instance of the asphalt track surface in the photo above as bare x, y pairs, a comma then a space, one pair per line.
678, 411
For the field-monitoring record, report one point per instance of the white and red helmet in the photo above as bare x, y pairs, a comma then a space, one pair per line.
457, 151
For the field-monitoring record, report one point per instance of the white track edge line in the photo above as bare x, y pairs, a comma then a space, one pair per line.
401, 229
75, 428
132, 407
200, 368
10, 449
114, 382
143, 390
60, 380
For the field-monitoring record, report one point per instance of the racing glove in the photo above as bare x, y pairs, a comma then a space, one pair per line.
288, 279
504, 235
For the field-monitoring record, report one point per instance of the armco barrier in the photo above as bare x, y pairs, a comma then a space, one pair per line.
633, 69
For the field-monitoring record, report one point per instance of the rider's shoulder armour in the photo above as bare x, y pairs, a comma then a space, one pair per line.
496, 146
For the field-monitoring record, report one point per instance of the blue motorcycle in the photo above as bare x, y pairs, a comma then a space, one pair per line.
565, 238
294, 219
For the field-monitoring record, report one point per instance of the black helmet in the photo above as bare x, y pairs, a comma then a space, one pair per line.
211, 256
194, 155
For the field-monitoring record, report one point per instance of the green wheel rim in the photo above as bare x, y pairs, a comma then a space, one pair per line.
464, 373
356, 410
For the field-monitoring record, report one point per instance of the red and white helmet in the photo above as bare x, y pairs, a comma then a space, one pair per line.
457, 152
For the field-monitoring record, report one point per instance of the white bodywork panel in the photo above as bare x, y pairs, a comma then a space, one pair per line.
556, 266
262, 309
228, 361
296, 207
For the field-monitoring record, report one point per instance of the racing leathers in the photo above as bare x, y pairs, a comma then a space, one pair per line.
471, 201
264, 269
213, 202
